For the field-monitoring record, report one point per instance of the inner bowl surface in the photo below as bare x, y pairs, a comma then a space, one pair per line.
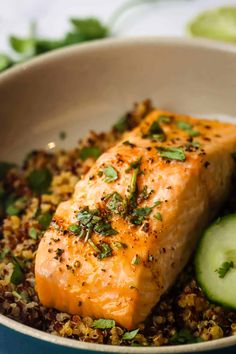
88, 87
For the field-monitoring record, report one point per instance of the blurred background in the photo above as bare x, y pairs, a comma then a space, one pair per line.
47, 19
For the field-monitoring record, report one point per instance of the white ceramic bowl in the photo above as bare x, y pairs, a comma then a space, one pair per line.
88, 87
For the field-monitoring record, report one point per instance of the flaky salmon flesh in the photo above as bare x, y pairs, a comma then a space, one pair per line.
134, 220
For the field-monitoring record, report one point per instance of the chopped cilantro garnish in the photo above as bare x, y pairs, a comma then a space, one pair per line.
17, 276
158, 216
172, 153
128, 143
40, 180
130, 335
155, 132
45, 220
75, 229
184, 336
116, 203
110, 173
94, 246
134, 164
183, 125
193, 133
15, 206
103, 324
122, 125
92, 151
119, 245
103, 250
188, 128
92, 220
164, 119
106, 251
104, 229
12, 210
224, 269
131, 200
33, 233
136, 260
139, 215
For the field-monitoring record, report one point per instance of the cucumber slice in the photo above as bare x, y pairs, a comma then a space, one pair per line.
215, 262
218, 24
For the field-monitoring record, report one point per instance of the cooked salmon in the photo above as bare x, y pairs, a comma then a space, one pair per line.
134, 219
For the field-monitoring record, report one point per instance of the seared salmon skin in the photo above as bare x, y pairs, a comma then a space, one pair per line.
135, 218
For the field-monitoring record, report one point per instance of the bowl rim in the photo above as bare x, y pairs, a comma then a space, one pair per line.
107, 44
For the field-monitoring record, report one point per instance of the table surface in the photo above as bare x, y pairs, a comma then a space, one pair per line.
161, 17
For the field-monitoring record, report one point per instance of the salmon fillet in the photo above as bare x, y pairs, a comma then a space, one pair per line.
134, 219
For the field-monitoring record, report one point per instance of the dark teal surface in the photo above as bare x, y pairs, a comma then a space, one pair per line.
12, 342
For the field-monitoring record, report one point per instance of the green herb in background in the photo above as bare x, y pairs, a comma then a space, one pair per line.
82, 30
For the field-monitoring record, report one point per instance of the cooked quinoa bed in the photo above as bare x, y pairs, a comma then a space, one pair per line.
29, 196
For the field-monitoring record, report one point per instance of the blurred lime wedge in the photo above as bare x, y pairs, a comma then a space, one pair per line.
217, 24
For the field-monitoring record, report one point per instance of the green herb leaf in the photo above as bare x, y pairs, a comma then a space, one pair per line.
122, 125
110, 173
158, 216
75, 229
155, 132
45, 220
116, 203
130, 335
172, 153
25, 46
106, 251
89, 28
92, 151
17, 276
224, 269
33, 233
136, 260
128, 143
193, 133
119, 245
15, 206
183, 125
91, 220
46, 45
12, 210
188, 128
105, 229
134, 165
164, 119
40, 180
103, 324
5, 62
139, 215
94, 246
